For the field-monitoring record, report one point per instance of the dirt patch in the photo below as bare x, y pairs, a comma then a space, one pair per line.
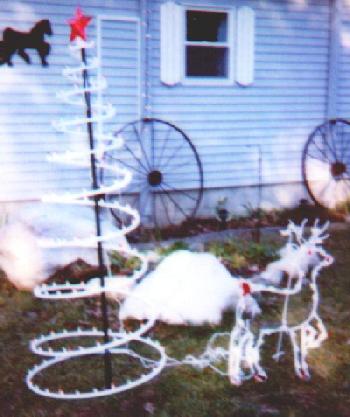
255, 220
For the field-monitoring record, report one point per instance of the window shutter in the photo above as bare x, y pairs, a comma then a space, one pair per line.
171, 28
245, 46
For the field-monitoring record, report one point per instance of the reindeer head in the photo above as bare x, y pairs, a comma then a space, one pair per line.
305, 251
312, 246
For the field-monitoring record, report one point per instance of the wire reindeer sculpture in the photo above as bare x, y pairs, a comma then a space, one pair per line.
15, 41
245, 343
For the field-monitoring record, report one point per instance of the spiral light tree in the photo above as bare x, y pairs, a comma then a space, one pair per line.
114, 343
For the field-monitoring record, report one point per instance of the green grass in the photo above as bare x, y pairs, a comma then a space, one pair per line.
240, 255
181, 391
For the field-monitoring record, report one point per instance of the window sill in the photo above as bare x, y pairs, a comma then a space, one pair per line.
206, 81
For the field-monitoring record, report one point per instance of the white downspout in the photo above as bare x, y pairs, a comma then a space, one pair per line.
334, 58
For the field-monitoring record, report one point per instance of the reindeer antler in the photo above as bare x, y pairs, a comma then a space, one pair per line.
288, 232
317, 235
298, 231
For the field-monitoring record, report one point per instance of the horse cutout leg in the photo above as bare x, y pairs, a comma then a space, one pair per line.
43, 52
6, 53
2, 53
23, 54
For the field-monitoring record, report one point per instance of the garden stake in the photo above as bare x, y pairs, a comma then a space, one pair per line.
97, 198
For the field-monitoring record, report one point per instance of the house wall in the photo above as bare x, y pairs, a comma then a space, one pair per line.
343, 108
229, 125
28, 102
276, 113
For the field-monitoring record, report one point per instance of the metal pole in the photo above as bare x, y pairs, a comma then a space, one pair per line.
258, 225
334, 58
146, 202
97, 198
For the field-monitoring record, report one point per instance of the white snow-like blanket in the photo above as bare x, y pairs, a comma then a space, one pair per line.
25, 262
185, 288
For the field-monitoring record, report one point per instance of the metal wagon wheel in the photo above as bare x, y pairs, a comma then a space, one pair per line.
326, 164
167, 171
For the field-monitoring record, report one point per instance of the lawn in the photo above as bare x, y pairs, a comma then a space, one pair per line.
181, 391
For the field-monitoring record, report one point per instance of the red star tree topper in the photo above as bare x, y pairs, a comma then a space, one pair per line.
78, 25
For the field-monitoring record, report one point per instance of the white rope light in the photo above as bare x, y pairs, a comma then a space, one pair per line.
245, 345
242, 354
118, 345
118, 341
85, 197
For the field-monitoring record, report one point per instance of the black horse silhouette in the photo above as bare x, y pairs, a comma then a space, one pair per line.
16, 41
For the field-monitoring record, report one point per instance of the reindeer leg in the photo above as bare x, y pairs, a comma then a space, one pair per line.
236, 354
284, 319
21, 52
260, 374
299, 368
303, 354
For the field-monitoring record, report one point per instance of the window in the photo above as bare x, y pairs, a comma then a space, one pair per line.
207, 44
200, 46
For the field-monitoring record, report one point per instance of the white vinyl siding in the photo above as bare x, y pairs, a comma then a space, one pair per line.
29, 105
288, 98
343, 93
228, 124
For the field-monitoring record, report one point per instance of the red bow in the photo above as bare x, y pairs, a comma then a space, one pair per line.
246, 288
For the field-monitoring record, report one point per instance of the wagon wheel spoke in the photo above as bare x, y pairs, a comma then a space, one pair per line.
141, 163
153, 143
165, 208
139, 139
328, 140
180, 164
339, 190
321, 154
325, 188
167, 157
145, 200
342, 144
170, 158
164, 145
172, 199
114, 155
183, 192
141, 171
346, 178
121, 218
